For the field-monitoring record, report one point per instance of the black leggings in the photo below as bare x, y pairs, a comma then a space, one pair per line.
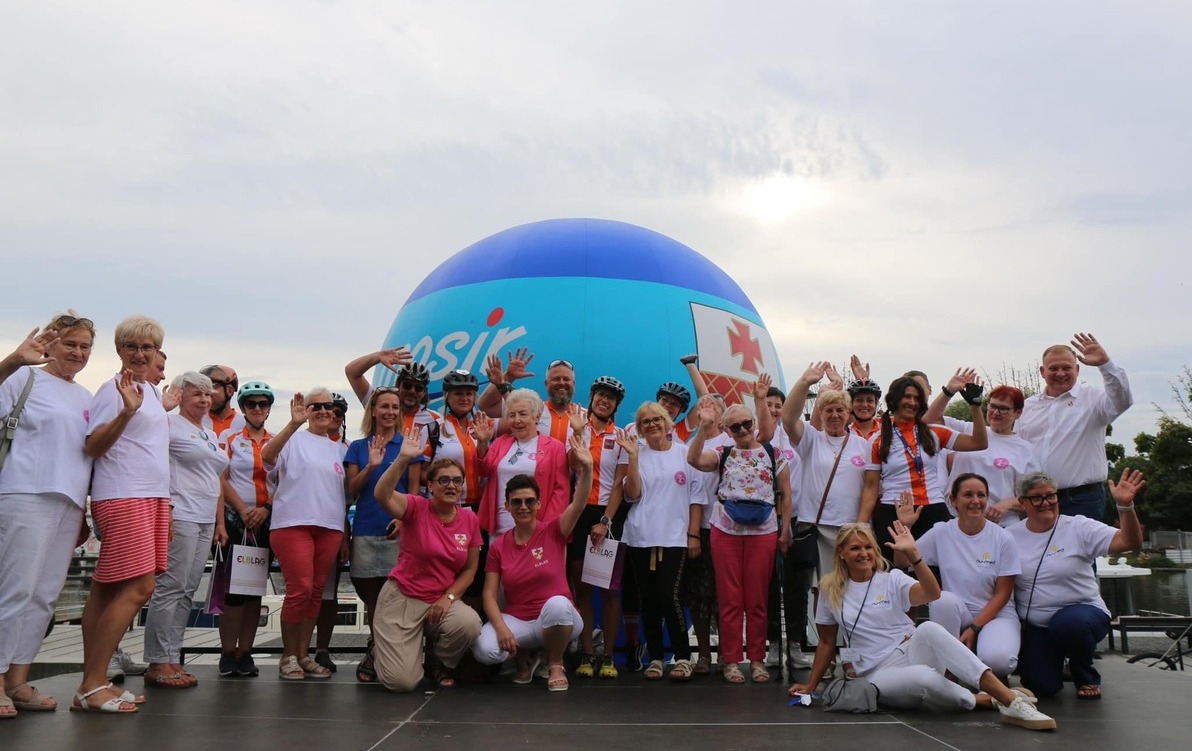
658, 572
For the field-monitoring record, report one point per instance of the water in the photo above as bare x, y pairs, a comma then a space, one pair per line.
1164, 591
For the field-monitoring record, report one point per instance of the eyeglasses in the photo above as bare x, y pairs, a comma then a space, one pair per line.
220, 384
1039, 501
743, 425
1000, 409
446, 481
132, 348
519, 502
412, 386
67, 322
257, 404
556, 363
651, 421
321, 406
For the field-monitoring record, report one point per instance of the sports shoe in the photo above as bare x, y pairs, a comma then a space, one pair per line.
1022, 713
797, 659
121, 665
774, 656
246, 666
323, 657
587, 666
608, 669
227, 665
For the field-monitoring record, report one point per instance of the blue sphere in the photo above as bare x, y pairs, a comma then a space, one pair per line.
611, 298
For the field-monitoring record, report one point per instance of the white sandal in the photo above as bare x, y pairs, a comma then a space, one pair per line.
111, 706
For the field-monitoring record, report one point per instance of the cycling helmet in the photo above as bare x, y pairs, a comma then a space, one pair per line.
677, 391
254, 388
460, 379
415, 372
608, 383
339, 404
865, 386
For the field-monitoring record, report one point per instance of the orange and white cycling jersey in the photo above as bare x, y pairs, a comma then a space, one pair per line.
246, 472
606, 455
907, 466
457, 442
866, 434
558, 424
421, 418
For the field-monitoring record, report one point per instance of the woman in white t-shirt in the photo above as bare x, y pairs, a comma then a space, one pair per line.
978, 564
196, 465
307, 525
43, 490
661, 530
1057, 594
865, 601
750, 522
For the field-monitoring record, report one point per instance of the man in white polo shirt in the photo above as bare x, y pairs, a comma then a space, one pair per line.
1067, 422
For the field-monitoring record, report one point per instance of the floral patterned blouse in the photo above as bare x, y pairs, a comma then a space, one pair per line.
748, 475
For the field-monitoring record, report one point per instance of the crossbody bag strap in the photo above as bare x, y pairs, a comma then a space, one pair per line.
819, 514
1035, 578
9, 430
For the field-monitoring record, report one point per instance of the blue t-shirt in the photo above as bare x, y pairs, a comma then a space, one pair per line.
370, 518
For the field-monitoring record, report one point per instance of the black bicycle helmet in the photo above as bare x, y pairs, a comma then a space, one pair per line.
676, 390
415, 372
865, 386
339, 405
460, 379
608, 383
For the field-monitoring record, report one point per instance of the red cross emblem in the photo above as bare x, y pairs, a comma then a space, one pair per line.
741, 343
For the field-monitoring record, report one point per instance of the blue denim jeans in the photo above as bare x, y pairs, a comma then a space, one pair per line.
1087, 500
1074, 633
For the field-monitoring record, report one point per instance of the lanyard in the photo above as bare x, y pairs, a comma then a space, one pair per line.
915, 455
848, 633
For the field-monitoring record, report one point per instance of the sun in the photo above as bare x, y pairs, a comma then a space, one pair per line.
779, 197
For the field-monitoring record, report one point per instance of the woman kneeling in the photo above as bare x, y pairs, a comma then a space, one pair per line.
883, 646
439, 556
531, 563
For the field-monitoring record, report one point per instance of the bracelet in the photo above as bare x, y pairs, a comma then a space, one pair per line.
976, 629
947, 392
916, 563
505, 388
693, 537
1120, 507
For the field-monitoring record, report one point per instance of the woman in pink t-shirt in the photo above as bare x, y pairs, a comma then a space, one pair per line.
440, 552
530, 562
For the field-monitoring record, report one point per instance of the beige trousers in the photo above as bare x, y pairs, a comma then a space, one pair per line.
398, 627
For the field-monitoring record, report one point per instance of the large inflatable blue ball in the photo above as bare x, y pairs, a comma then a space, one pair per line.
612, 298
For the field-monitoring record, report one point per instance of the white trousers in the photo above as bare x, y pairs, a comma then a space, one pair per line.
913, 675
37, 541
557, 611
999, 640
174, 592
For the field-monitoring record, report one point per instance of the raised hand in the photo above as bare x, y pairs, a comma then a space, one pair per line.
482, 427
575, 418
297, 410
35, 349
580, 455
628, 443
860, 369
961, 377
903, 541
411, 445
494, 370
130, 392
1124, 490
376, 451
170, 397
814, 373
707, 420
1088, 350
519, 360
908, 512
762, 386
395, 357
835, 381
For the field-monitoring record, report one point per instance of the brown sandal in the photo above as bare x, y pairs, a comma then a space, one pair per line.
732, 673
36, 701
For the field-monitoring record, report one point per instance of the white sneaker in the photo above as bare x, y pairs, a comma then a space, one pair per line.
774, 656
799, 659
130, 666
1024, 714
115, 668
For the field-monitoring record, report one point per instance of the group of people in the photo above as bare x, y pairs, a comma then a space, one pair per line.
470, 526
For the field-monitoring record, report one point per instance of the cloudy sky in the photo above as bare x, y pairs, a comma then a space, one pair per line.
928, 184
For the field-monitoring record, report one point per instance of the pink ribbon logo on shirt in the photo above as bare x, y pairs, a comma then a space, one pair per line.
1001, 462
680, 478
857, 461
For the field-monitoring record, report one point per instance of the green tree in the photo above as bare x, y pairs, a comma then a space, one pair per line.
1165, 458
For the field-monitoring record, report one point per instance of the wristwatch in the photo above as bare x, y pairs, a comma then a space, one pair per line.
505, 388
450, 596
606, 521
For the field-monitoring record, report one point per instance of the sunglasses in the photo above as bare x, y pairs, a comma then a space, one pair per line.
384, 390
520, 502
66, 322
412, 386
448, 481
1039, 501
321, 406
739, 426
556, 363
257, 404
